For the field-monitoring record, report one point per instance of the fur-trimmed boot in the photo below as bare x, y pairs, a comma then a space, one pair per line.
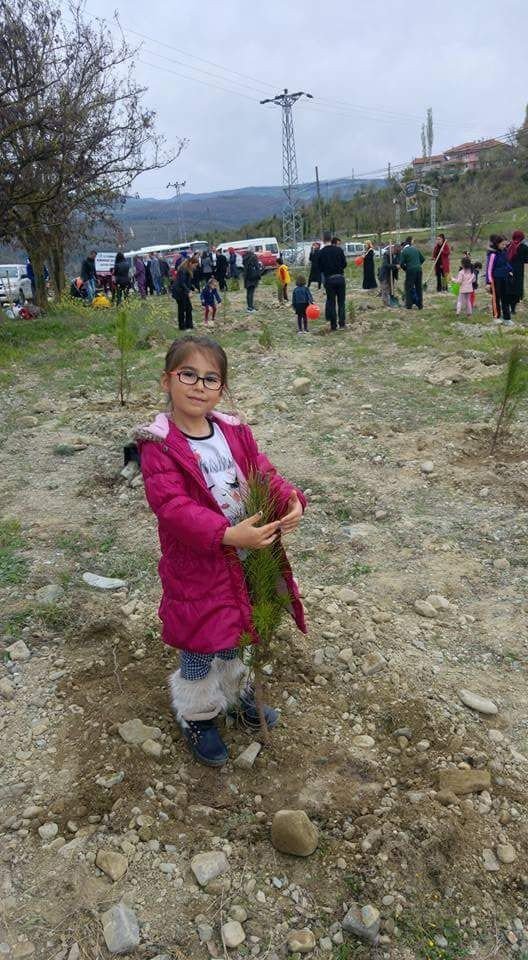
240, 695
196, 703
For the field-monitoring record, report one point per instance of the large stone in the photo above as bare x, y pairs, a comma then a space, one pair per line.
301, 386
209, 866
120, 928
18, 651
7, 690
114, 864
346, 595
461, 782
246, 759
152, 748
373, 663
425, 609
103, 583
49, 594
48, 831
491, 864
506, 853
293, 832
363, 922
301, 941
232, 934
475, 702
136, 732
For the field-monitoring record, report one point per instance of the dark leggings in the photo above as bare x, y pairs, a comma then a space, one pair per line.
302, 321
500, 298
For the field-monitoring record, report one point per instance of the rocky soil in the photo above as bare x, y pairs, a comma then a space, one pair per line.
404, 720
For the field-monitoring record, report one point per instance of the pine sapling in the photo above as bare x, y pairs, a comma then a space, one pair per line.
351, 311
514, 388
265, 336
125, 338
263, 572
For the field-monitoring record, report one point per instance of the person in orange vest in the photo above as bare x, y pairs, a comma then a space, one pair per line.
283, 279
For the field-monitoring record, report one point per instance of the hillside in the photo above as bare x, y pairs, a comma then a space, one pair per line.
152, 219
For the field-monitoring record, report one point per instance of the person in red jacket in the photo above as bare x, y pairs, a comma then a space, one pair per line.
441, 254
195, 464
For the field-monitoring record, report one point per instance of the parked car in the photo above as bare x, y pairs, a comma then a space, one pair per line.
353, 249
14, 283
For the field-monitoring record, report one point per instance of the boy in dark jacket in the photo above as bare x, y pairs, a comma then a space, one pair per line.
301, 297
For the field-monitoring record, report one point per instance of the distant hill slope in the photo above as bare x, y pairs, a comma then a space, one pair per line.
154, 220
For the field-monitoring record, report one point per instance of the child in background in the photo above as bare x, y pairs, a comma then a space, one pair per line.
465, 279
195, 462
301, 297
283, 279
210, 297
476, 267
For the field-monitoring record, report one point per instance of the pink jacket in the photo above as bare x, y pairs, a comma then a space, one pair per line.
205, 605
465, 278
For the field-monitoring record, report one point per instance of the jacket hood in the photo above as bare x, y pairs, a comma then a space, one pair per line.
158, 430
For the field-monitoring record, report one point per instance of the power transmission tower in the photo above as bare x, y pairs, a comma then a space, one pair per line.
292, 225
181, 229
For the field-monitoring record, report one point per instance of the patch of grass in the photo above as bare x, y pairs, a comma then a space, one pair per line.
360, 569
133, 566
11, 623
10, 535
421, 935
13, 569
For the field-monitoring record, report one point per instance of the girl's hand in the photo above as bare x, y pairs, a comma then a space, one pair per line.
488, 287
247, 535
290, 521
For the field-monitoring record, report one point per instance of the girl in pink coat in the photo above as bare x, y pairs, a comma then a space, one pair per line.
194, 463
465, 279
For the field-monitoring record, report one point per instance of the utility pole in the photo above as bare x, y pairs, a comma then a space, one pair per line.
181, 229
319, 205
292, 225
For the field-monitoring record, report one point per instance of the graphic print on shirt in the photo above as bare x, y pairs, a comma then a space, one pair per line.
215, 460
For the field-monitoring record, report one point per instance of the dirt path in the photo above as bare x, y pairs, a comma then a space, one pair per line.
405, 505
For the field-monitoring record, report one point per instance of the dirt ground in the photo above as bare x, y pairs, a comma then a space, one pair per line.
391, 442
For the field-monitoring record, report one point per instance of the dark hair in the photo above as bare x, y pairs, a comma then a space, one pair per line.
327, 236
180, 349
280, 261
466, 263
119, 257
495, 239
336, 240
300, 280
442, 235
408, 240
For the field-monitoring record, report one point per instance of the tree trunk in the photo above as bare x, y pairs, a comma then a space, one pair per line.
37, 262
57, 269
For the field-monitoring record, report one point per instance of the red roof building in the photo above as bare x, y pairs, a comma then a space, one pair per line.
466, 155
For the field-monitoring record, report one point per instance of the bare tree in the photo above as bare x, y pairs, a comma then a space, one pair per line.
73, 130
471, 204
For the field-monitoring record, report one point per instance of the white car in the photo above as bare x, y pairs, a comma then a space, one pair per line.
14, 283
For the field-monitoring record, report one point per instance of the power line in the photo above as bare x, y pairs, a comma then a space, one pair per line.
206, 83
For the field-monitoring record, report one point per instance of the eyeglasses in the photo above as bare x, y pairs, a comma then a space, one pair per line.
211, 381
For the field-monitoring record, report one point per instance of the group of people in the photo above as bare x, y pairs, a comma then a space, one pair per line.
206, 276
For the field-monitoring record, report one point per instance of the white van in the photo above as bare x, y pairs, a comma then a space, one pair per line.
266, 249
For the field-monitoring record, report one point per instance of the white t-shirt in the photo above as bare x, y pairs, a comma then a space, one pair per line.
216, 462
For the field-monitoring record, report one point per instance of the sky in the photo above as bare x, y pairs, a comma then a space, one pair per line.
373, 70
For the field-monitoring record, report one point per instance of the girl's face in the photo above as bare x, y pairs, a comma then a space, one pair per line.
194, 400
503, 244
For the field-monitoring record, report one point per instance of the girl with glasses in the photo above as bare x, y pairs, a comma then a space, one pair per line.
195, 462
